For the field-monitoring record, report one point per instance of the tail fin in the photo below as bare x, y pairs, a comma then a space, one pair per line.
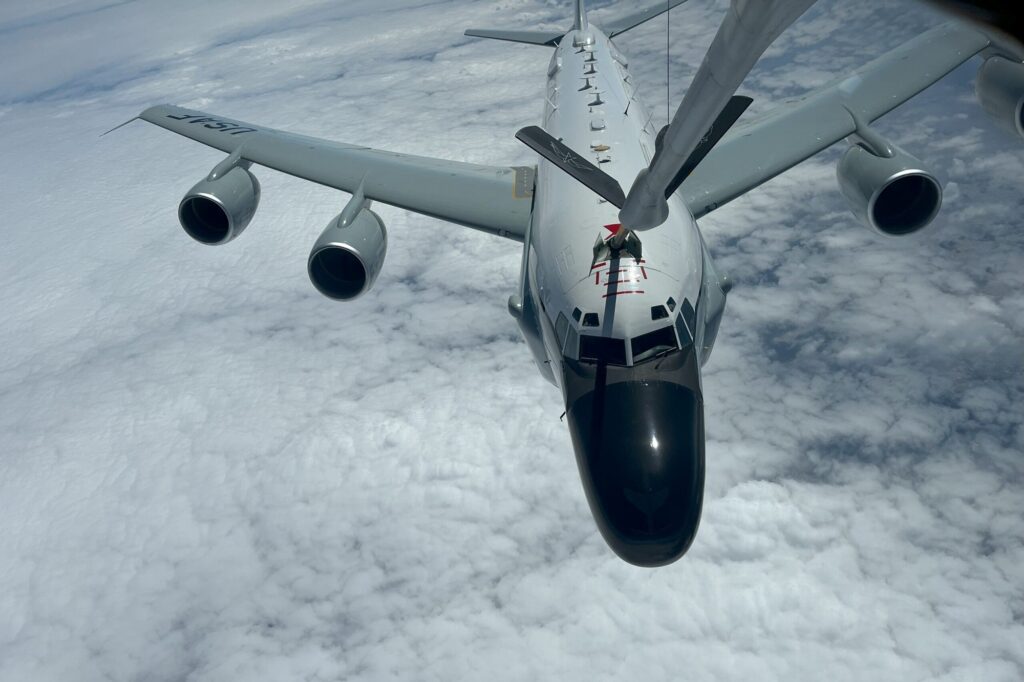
622, 24
549, 38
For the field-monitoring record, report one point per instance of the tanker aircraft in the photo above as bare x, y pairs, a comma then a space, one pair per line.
618, 298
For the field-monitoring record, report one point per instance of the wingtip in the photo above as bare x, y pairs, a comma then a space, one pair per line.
122, 125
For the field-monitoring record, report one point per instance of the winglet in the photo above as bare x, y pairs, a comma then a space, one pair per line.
134, 118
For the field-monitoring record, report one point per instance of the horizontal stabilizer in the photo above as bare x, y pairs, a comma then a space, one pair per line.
614, 27
548, 38
602, 184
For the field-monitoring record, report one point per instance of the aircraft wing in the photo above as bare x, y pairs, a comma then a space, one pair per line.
756, 152
493, 199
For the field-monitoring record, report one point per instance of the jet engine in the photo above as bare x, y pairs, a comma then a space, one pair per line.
348, 256
216, 211
1000, 89
893, 195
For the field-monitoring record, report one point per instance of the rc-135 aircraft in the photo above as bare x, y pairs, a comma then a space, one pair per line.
618, 298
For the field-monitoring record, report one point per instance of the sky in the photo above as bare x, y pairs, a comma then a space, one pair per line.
208, 471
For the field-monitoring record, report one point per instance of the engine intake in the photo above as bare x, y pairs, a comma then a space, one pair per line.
894, 195
347, 258
1000, 89
216, 211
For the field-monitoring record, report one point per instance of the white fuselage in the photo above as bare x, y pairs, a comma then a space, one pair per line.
592, 107
623, 338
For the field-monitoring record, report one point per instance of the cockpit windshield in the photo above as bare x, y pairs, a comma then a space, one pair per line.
602, 349
651, 344
677, 334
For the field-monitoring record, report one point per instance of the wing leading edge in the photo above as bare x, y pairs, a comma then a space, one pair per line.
758, 151
494, 199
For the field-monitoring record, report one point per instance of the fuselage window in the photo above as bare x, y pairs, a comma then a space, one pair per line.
591, 320
646, 346
603, 349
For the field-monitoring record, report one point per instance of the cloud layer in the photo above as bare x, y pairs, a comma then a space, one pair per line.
210, 472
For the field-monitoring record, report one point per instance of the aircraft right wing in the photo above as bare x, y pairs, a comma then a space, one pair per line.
756, 152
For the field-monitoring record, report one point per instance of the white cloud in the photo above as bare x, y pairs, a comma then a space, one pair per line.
210, 472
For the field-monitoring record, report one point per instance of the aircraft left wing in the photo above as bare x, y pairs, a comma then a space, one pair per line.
493, 199
756, 152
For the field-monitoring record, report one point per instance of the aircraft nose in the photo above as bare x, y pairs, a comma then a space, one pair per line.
640, 450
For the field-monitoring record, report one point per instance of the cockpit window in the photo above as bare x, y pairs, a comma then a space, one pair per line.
576, 313
603, 349
658, 312
689, 315
684, 334
572, 341
648, 345
671, 303
561, 327
591, 320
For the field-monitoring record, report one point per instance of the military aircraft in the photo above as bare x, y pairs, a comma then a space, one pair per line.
618, 298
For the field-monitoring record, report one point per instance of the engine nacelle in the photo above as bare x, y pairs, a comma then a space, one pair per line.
894, 195
1000, 89
216, 211
347, 258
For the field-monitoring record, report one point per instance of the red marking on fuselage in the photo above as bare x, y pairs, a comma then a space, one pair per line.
595, 266
620, 293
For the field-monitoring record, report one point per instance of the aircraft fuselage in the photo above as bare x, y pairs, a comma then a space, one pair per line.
622, 338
